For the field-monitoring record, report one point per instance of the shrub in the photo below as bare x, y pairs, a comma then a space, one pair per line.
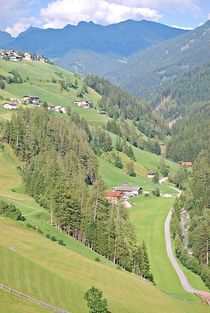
53, 238
60, 242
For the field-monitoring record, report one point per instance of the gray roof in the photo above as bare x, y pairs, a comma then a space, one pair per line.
126, 188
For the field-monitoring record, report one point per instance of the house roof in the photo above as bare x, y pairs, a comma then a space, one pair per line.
10, 104
126, 188
187, 164
113, 194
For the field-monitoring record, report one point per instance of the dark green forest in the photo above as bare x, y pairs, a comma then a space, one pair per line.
190, 135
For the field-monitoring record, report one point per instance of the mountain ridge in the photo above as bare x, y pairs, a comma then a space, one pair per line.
124, 38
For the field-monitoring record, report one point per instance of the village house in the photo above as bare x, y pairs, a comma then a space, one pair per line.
128, 190
113, 197
50, 107
10, 106
150, 175
84, 104
60, 109
31, 99
186, 164
27, 56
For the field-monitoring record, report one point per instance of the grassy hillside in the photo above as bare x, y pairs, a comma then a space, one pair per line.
38, 77
59, 276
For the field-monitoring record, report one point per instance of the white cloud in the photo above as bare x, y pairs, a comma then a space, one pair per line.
184, 27
209, 16
61, 12
177, 5
22, 25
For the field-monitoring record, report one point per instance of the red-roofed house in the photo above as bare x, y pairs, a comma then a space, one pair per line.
187, 164
113, 196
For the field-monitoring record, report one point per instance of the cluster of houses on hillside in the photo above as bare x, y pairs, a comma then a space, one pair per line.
122, 194
16, 56
35, 101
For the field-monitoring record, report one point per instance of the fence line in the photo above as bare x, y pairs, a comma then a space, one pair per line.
26, 297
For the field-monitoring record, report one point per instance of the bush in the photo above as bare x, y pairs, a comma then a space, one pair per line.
97, 259
48, 236
9, 210
53, 238
60, 242
39, 231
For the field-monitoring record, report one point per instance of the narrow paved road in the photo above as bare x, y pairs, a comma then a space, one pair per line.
203, 295
184, 282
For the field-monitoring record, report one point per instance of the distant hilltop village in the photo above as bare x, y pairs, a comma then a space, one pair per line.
17, 56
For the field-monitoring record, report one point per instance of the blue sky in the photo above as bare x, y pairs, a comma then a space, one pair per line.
17, 15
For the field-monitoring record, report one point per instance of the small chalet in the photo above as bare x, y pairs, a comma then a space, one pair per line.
127, 190
60, 109
10, 106
150, 175
84, 104
31, 99
113, 196
186, 164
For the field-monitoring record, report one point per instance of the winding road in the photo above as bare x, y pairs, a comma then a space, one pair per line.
205, 296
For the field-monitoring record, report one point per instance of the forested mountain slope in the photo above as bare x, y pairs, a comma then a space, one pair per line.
190, 135
145, 73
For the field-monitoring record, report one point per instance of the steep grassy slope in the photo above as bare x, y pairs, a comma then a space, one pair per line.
38, 77
59, 276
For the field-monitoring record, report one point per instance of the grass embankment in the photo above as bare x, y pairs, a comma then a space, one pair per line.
12, 304
38, 77
148, 217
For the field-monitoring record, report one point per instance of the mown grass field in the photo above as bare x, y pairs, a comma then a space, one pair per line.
12, 304
38, 77
148, 217
113, 176
38, 267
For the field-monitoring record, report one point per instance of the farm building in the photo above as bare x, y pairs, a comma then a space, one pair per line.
10, 106
84, 104
31, 99
151, 175
113, 196
128, 190
187, 164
